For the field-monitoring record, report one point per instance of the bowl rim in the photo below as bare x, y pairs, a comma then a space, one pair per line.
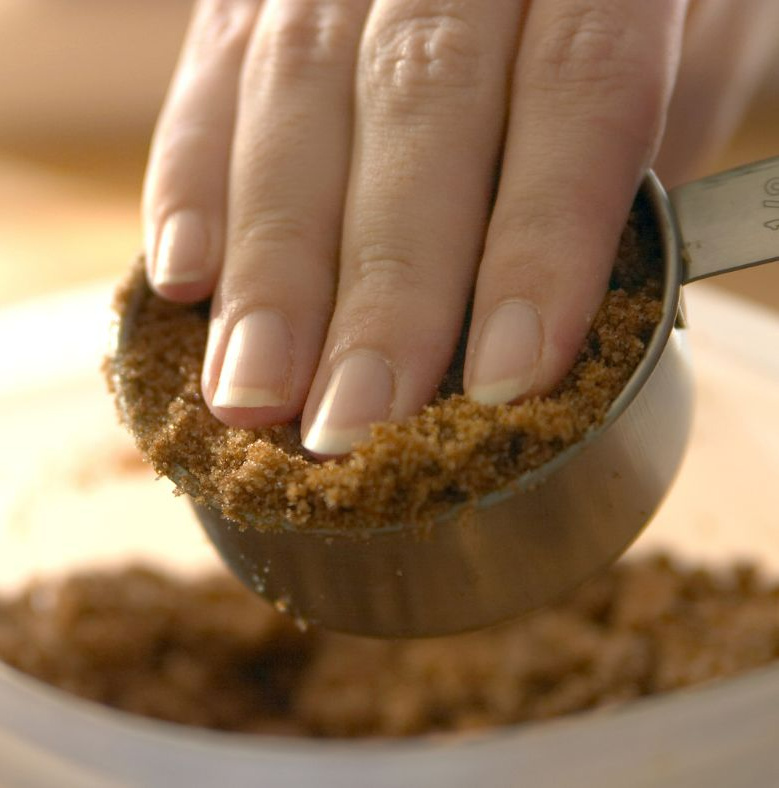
53, 700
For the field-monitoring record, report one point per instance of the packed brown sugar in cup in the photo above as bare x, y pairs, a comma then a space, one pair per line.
409, 472
209, 653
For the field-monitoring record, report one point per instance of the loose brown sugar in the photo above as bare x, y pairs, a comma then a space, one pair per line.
455, 451
209, 653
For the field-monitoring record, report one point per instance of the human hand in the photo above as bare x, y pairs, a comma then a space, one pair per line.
325, 169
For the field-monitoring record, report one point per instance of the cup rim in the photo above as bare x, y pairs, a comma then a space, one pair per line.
670, 241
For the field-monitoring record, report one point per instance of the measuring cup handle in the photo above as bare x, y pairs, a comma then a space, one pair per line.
729, 220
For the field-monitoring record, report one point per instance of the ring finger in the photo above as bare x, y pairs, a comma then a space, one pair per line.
592, 85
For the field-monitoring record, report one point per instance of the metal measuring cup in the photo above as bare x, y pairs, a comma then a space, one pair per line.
524, 547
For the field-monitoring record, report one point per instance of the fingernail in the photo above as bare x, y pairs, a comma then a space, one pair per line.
257, 363
507, 354
181, 250
359, 393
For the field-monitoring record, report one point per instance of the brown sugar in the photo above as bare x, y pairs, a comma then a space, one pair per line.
409, 472
209, 653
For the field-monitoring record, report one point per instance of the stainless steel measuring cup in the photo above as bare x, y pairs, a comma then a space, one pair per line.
522, 548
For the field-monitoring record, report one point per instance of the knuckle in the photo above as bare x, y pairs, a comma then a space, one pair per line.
385, 272
587, 47
580, 46
268, 228
587, 54
422, 57
302, 36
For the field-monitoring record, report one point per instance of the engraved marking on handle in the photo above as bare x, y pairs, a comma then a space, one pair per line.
771, 187
718, 219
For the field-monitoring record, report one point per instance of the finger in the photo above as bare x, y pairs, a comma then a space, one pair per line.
432, 79
727, 48
288, 179
591, 86
186, 181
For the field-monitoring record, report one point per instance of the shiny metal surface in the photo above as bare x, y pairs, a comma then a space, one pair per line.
730, 220
520, 548
507, 558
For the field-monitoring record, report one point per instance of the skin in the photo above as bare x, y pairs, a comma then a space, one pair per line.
341, 176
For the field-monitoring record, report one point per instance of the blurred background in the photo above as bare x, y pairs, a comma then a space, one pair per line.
82, 83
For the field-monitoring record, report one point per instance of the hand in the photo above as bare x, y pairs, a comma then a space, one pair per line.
325, 169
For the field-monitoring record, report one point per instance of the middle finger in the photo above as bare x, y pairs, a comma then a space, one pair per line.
287, 183
430, 106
